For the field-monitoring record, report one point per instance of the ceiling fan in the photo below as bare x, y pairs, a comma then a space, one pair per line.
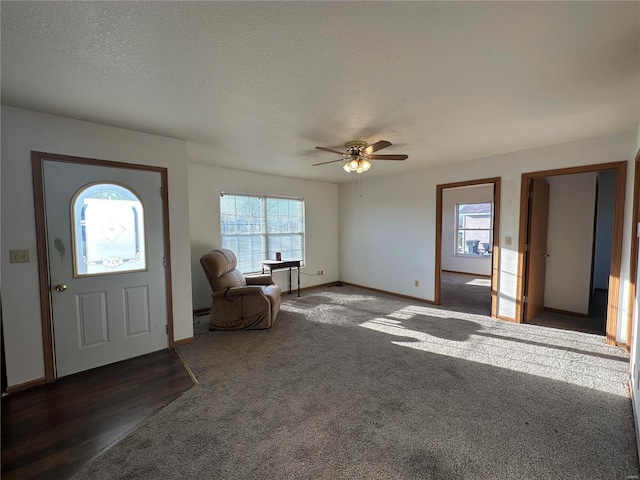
358, 153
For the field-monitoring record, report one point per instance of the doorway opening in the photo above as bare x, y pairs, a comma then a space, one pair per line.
122, 312
467, 229
570, 248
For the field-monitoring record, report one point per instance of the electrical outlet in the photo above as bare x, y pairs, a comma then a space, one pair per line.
417, 283
321, 272
507, 240
19, 256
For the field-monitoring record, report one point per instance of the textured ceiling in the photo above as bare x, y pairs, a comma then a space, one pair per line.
257, 85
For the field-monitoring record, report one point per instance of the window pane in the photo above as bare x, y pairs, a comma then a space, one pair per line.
108, 230
255, 228
474, 229
286, 228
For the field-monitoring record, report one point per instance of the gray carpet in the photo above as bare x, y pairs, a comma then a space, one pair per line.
472, 294
201, 324
594, 322
466, 293
351, 384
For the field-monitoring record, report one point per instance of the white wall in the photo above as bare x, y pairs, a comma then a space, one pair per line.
24, 131
321, 222
570, 242
450, 197
398, 214
604, 229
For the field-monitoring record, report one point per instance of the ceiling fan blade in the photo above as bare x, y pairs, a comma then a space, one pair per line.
374, 147
389, 157
331, 161
330, 150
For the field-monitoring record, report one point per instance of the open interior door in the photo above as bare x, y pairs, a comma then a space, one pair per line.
536, 247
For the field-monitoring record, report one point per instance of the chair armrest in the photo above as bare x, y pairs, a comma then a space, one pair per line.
264, 279
230, 293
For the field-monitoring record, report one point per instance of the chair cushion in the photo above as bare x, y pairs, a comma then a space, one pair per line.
234, 278
219, 262
273, 293
264, 279
220, 268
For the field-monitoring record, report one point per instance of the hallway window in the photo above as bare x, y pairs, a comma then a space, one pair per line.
256, 227
474, 229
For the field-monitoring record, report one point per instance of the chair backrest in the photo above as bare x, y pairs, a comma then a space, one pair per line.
220, 268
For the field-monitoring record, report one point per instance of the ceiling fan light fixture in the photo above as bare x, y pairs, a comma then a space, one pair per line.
358, 155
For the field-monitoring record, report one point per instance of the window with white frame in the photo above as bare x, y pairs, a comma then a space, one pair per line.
256, 227
474, 229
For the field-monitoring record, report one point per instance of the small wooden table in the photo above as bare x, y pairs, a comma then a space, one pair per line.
274, 265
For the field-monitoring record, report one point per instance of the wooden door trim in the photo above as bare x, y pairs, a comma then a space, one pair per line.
538, 196
495, 248
43, 268
633, 257
616, 257
46, 312
616, 246
522, 240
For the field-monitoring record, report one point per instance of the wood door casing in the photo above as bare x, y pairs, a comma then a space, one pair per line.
37, 162
495, 247
537, 247
616, 246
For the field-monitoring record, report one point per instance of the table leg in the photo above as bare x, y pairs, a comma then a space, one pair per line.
289, 280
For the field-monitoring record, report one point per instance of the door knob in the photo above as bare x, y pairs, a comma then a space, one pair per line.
61, 287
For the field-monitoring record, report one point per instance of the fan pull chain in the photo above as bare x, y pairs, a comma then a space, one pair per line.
359, 182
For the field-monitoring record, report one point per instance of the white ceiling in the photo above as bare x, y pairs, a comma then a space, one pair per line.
257, 85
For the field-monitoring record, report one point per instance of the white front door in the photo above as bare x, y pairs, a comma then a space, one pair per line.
106, 262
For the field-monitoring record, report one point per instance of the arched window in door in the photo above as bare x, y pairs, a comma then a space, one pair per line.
107, 230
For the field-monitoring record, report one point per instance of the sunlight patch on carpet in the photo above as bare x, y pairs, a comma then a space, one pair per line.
519, 349
480, 282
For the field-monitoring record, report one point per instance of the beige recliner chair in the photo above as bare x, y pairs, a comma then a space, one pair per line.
238, 302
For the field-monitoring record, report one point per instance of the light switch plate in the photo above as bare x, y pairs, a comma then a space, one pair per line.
19, 256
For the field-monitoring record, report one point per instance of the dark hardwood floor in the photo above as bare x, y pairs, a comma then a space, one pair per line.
51, 431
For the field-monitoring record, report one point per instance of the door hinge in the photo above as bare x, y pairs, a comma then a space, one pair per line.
167, 328
162, 192
526, 247
525, 299
164, 261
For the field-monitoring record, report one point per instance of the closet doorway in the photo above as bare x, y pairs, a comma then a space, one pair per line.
575, 256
